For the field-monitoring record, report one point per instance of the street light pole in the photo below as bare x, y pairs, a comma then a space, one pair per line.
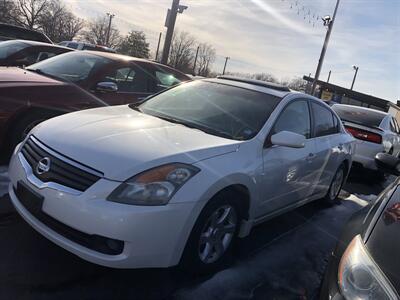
195, 60
226, 61
158, 45
329, 75
355, 75
329, 23
170, 24
111, 16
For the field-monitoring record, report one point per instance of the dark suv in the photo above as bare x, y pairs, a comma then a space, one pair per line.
12, 32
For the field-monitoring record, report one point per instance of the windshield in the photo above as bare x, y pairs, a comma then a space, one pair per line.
366, 117
218, 109
73, 66
8, 48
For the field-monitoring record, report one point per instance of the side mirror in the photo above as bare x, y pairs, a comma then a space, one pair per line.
388, 163
288, 139
107, 87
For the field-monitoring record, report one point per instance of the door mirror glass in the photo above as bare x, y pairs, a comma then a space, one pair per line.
107, 87
388, 163
288, 139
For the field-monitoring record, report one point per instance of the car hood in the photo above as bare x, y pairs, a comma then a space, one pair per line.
121, 142
14, 75
384, 243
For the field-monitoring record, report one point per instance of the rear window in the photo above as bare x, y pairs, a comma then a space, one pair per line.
359, 116
8, 48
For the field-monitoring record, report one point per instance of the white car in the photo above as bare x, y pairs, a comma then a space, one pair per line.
375, 131
179, 177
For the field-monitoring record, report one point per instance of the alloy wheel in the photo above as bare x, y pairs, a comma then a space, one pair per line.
336, 184
217, 234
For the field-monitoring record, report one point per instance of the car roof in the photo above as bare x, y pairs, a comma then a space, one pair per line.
262, 83
266, 87
360, 108
36, 43
121, 57
23, 29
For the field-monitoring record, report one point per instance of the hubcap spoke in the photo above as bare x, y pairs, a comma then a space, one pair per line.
219, 248
229, 228
224, 215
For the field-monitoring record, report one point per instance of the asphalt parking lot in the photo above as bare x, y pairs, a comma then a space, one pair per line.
282, 259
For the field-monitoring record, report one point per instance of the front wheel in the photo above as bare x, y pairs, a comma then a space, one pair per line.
213, 235
336, 185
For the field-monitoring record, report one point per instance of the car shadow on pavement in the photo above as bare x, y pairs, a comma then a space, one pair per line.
34, 268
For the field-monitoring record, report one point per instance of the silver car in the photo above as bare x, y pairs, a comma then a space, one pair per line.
374, 130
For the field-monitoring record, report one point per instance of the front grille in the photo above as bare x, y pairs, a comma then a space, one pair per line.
60, 171
33, 203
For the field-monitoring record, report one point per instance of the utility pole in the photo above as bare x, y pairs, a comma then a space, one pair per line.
329, 75
158, 45
328, 21
355, 75
111, 16
195, 60
170, 24
226, 61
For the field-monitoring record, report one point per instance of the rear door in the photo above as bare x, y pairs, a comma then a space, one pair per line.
329, 145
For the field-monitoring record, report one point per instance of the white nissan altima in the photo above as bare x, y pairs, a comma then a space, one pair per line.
179, 177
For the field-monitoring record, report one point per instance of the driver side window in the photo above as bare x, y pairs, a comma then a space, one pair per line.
294, 118
127, 80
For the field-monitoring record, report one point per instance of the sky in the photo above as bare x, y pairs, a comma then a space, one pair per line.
280, 37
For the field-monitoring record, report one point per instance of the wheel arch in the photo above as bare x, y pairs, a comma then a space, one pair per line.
12, 123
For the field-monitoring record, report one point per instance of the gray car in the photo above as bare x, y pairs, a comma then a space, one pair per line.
375, 131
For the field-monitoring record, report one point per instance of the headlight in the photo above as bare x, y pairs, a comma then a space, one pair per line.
155, 186
360, 278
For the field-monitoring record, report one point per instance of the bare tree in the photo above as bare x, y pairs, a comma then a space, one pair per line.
181, 54
297, 84
29, 12
58, 23
265, 77
205, 59
7, 11
96, 32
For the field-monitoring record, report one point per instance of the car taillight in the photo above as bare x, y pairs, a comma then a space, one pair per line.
364, 135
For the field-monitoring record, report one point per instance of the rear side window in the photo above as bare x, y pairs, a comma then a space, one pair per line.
325, 123
358, 115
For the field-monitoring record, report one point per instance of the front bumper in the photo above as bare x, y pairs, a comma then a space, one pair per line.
152, 236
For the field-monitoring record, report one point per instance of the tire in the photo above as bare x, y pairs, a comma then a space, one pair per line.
209, 247
19, 131
336, 185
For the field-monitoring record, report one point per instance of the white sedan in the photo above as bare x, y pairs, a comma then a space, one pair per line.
179, 177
